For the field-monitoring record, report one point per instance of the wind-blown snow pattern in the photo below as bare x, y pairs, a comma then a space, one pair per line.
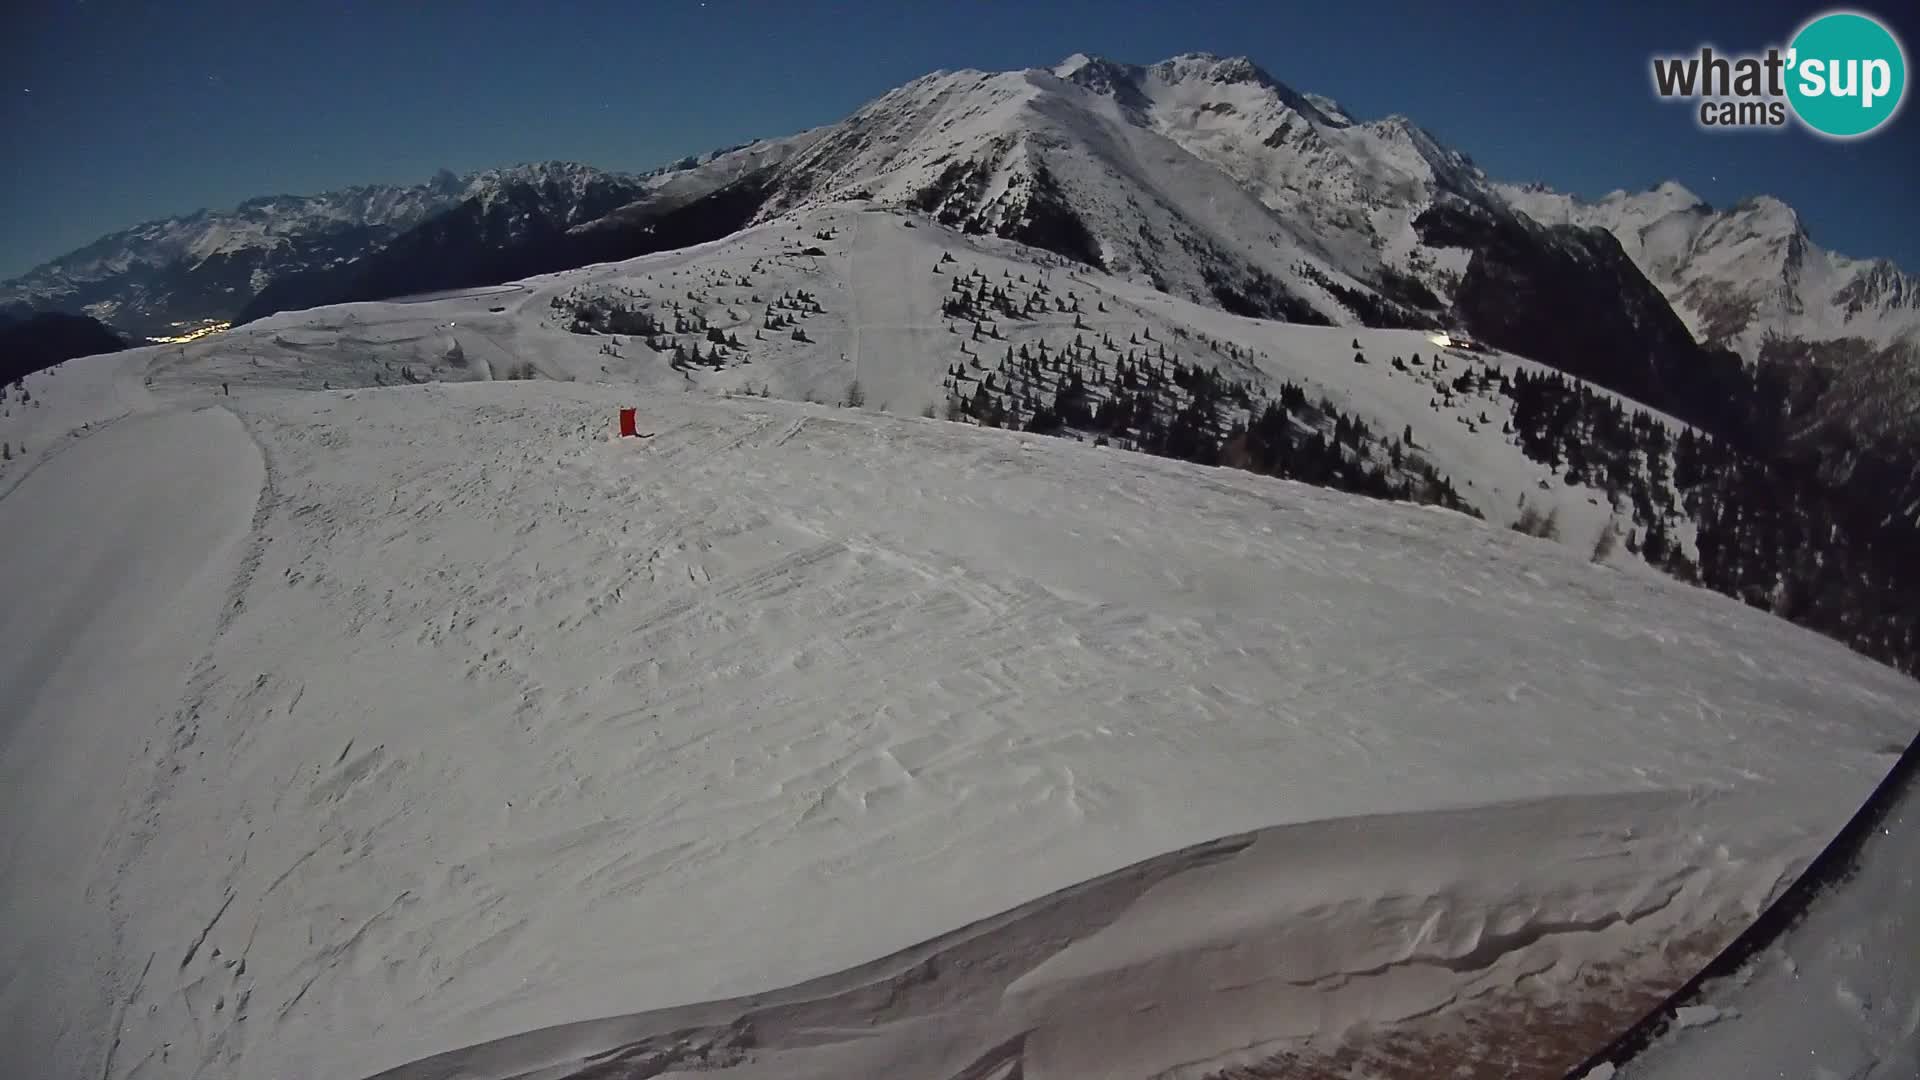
352, 722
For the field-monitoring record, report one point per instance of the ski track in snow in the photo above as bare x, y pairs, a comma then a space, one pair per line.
117, 555
488, 723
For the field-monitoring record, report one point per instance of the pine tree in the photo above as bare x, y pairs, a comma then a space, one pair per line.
1609, 538
1655, 546
982, 403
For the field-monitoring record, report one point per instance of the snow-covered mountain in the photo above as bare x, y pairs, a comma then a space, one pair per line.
1201, 175
163, 276
1744, 274
499, 229
1837, 338
1208, 179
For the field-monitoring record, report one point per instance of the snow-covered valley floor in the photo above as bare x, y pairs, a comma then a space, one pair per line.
343, 729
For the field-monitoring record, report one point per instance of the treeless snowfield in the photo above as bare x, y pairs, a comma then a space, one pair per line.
459, 720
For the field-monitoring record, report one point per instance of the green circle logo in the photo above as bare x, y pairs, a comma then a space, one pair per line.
1846, 75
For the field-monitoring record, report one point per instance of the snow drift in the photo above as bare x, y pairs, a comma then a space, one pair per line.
1372, 941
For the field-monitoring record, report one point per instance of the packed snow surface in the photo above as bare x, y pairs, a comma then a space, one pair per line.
345, 728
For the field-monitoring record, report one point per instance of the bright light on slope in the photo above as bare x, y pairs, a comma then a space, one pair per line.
192, 335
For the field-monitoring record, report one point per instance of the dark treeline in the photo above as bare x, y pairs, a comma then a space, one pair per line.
43, 339
1770, 530
1140, 395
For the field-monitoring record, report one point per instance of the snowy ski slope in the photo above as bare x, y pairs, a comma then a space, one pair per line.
346, 728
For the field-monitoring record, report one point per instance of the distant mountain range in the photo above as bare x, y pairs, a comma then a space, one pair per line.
532, 220
162, 276
1204, 176
1750, 278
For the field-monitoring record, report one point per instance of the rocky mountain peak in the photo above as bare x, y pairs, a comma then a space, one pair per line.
1211, 68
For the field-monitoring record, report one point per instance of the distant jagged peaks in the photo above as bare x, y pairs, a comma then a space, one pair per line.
1330, 109
538, 170
206, 265
1087, 70
1109, 78
1202, 174
570, 177
1083, 67
1126, 82
1676, 194
1769, 214
1212, 68
1549, 205
1737, 273
1746, 275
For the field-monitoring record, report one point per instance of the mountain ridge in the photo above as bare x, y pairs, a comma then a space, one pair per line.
1337, 186
1204, 176
1746, 273
159, 276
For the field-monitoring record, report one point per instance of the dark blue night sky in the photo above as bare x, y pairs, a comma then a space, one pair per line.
121, 112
